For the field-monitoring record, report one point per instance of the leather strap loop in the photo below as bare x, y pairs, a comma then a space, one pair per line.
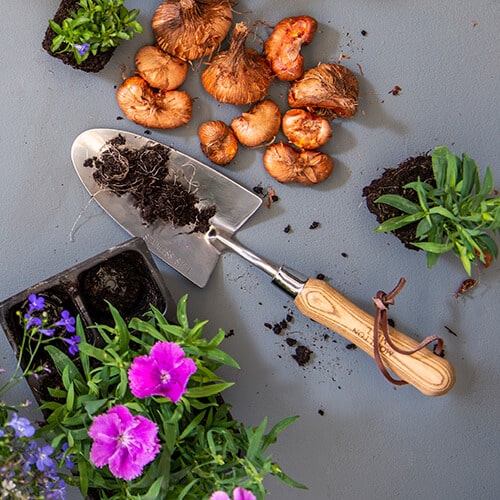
382, 302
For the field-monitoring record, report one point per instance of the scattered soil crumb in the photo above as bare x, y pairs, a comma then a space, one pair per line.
321, 412
230, 333
391, 322
287, 229
320, 276
302, 355
396, 90
450, 331
291, 342
314, 225
351, 347
345, 255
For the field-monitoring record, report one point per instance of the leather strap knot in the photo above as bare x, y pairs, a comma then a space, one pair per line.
382, 302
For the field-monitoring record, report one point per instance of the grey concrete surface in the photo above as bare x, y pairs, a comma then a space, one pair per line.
357, 438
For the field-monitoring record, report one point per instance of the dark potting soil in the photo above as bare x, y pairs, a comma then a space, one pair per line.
93, 64
144, 174
393, 181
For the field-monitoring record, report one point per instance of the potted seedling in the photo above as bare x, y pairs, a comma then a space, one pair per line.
140, 416
85, 33
438, 203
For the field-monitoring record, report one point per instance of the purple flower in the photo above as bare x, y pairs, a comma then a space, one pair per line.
48, 332
67, 321
22, 426
43, 460
35, 303
239, 493
72, 343
124, 442
164, 372
32, 321
82, 48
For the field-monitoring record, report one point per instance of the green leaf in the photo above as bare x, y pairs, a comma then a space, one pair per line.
399, 221
70, 398
470, 176
92, 407
434, 247
207, 390
222, 357
255, 439
120, 328
423, 228
452, 171
487, 186
61, 361
439, 165
182, 318
444, 212
276, 430
399, 202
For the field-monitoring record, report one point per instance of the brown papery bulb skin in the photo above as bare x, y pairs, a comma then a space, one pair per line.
218, 142
307, 167
305, 130
163, 109
283, 46
239, 75
259, 126
191, 29
330, 88
159, 69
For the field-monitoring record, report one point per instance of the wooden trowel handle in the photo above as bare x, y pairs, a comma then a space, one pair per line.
429, 373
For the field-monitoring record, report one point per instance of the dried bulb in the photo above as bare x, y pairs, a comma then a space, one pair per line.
239, 75
159, 69
191, 29
259, 125
305, 130
162, 109
283, 46
217, 141
286, 164
328, 90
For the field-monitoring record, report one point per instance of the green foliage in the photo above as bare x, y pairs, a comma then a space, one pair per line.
203, 448
456, 215
96, 26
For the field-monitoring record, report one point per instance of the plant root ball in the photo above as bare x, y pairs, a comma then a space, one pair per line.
163, 109
305, 130
328, 90
283, 46
159, 69
218, 142
307, 167
191, 29
259, 126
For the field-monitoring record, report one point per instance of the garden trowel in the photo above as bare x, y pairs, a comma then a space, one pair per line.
195, 256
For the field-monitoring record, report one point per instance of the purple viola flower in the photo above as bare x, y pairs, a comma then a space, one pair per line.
82, 48
22, 426
67, 321
239, 493
164, 372
124, 442
32, 321
35, 302
72, 344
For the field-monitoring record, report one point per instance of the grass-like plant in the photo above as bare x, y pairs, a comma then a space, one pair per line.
459, 213
142, 415
97, 26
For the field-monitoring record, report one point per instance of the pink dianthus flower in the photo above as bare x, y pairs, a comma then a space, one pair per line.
164, 372
124, 442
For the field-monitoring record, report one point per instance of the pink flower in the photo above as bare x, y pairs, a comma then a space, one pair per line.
123, 441
238, 494
164, 372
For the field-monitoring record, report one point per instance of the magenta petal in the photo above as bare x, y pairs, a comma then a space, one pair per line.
240, 493
143, 377
219, 495
165, 372
124, 442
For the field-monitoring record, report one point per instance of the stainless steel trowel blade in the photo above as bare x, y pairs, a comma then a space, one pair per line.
191, 254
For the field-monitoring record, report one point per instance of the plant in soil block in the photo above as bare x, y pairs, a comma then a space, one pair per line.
143, 415
442, 206
30, 468
85, 33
